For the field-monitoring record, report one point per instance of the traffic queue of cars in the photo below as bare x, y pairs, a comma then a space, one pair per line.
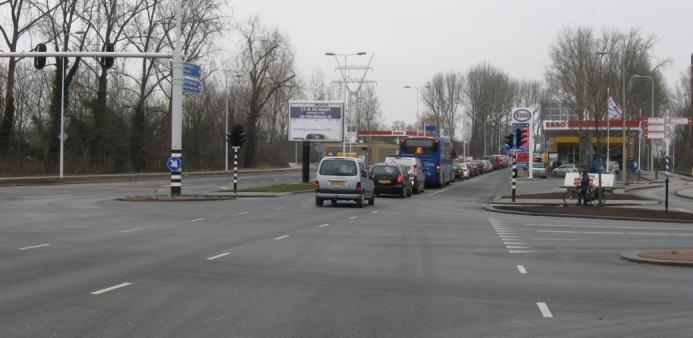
472, 168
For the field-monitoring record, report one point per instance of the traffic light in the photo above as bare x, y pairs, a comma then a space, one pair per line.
524, 137
107, 62
237, 136
509, 140
40, 61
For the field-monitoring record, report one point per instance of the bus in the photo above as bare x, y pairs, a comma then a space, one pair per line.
436, 156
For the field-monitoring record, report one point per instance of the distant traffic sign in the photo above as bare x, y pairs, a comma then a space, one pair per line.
174, 164
192, 86
192, 70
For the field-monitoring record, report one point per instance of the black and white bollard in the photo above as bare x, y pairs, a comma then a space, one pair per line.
176, 173
235, 169
514, 176
666, 189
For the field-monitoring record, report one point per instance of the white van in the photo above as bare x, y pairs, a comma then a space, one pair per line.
343, 178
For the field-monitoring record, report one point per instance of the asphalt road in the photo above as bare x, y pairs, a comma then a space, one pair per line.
76, 263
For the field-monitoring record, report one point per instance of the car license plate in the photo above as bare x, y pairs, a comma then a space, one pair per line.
338, 182
384, 181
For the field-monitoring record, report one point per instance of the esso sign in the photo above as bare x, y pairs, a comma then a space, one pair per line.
522, 115
548, 125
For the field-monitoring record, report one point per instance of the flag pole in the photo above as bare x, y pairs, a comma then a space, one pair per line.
608, 126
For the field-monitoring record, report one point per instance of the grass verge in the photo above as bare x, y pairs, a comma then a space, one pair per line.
284, 187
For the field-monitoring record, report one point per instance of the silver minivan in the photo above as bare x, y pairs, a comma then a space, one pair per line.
343, 178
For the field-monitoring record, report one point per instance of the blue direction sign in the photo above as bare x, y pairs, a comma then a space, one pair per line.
174, 164
192, 86
430, 128
192, 70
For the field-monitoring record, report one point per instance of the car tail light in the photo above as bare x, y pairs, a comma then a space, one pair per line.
400, 179
358, 187
438, 168
317, 186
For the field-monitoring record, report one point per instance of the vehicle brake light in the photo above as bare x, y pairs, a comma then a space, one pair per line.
437, 168
400, 179
358, 187
317, 186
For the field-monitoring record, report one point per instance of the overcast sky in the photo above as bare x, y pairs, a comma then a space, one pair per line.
412, 40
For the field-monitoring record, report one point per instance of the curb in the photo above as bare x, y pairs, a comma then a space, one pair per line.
615, 203
658, 185
490, 208
260, 194
632, 256
680, 194
184, 198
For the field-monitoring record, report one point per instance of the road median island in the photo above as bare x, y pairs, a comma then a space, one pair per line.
685, 193
677, 257
274, 190
633, 214
175, 198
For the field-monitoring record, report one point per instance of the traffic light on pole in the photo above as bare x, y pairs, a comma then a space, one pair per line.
40, 61
509, 140
107, 62
237, 136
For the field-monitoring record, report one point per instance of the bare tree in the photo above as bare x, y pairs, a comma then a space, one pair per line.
365, 110
24, 15
444, 97
267, 59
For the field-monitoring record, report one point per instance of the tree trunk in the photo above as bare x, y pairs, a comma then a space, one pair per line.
7, 123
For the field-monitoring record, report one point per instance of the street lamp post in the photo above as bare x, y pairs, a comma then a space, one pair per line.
417, 102
636, 76
347, 93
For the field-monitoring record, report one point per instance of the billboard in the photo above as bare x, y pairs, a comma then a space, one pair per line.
316, 121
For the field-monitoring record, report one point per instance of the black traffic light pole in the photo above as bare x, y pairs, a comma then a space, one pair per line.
235, 168
306, 162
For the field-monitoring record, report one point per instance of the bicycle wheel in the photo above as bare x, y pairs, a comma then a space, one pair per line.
570, 198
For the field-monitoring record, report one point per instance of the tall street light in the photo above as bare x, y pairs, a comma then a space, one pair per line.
623, 111
347, 92
636, 76
417, 102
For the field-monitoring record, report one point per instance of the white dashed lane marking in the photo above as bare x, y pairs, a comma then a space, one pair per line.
131, 230
197, 219
34, 246
281, 237
108, 289
544, 309
323, 225
521, 269
218, 256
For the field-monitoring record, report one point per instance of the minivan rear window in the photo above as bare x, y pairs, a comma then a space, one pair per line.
338, 168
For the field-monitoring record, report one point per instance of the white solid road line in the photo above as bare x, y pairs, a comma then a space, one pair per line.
34, 246
98, 292
197, 220
281, 237
520, 251
218, 256
553, 239
603, 233
131, 230
513, 243
522, 269
559, 231
544, 310
244, 212
516, 247
323, 225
